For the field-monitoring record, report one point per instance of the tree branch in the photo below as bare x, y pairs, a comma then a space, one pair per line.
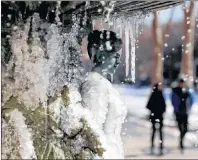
192, 3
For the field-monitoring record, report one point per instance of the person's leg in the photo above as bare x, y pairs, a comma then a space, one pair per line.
180, 126
153, 134
184, 129
179, 123
161, 136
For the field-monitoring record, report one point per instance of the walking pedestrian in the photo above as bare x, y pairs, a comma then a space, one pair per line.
182, 101
157, 107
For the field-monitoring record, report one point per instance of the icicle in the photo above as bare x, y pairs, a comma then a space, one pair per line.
133, 60
93, 24
121, 28
117, 26
57, 19
127, 51
108, 9
133, 26
132, 53
87, 5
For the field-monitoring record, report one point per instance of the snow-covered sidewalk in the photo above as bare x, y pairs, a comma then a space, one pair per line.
136, 140
137, 98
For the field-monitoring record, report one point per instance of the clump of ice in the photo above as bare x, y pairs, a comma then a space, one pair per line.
26, 143
40, 68
71, 123
26, 66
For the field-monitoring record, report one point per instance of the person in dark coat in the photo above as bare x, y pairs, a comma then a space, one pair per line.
182, 101
157, 107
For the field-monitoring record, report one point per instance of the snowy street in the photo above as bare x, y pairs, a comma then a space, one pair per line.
136, 129
136, 141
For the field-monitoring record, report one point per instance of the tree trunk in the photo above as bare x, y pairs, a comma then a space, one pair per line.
188, 44
157, 69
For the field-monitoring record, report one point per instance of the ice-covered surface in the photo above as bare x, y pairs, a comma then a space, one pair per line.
72, 118
26, 147
9, 144
109, 112
41, 64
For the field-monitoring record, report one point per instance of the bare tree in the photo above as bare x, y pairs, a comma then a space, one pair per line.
158, 45
188, 43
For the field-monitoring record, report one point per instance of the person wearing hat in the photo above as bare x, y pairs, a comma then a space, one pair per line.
182, 101
98, 94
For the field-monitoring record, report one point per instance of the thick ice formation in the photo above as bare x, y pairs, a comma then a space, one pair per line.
71, 115
26, 67
41, 64
107, 109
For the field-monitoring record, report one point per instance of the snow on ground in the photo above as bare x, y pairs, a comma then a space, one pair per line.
137, 98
